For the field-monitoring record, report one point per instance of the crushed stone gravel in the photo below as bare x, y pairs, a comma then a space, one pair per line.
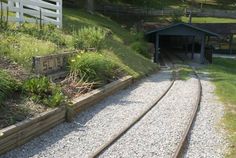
206, 138
160, 131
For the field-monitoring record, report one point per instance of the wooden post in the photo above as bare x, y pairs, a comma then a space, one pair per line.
40, 19
230, 43
156, 55
202, 53
59, 11
186, 46
21, 11
1, 13
90, 6
193, 47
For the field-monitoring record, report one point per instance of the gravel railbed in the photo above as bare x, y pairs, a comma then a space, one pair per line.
98, 124
160, 131
206, 139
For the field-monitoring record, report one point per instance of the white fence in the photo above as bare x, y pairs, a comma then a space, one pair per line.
49, 11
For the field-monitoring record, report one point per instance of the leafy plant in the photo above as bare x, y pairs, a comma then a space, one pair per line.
42, 90
89, 37
94, 67
7, 85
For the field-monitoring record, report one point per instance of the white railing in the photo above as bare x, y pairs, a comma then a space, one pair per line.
35, 11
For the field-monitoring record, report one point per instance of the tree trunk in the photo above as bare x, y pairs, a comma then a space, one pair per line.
90, 6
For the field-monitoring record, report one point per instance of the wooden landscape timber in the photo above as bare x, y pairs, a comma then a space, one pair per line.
22, 132
89, 99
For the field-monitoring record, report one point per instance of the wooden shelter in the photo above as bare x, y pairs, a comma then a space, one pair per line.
225, 30
180, 32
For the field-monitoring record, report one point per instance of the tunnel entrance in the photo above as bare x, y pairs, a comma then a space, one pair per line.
185, 39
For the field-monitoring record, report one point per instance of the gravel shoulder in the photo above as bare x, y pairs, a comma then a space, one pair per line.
160, 131
98, 124
206, 138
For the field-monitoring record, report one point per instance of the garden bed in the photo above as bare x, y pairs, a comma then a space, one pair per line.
22, 132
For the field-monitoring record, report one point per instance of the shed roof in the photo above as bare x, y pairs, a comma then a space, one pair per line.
183, 25
219, 28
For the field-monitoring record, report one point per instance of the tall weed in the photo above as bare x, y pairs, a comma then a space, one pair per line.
89, 37
94, 67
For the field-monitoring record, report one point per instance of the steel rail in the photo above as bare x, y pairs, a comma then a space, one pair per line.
178, 152
117, 136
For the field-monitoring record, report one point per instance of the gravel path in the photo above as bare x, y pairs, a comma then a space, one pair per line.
96, 125
206, 139
159, 132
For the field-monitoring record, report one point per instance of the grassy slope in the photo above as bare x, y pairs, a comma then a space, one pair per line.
135, 64
223, 73
21, 47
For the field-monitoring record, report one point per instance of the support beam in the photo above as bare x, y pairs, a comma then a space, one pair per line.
193, 47
186, 46
202, 53
157, 43
230, 43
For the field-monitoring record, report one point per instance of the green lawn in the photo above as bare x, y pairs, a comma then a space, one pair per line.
208, 20
214, 4
223, 73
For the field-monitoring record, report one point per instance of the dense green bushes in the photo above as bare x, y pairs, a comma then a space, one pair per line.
89, 37
94, 67
7, 86
42, 90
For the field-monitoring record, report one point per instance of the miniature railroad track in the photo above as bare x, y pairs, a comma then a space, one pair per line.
178, 152
181, 144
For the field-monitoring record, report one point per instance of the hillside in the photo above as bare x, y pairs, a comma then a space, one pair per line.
119, 48
105, 52
21, 44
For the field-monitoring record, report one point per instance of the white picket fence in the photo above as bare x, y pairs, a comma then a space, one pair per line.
49, 11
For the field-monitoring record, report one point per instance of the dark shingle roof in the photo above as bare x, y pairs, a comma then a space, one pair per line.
183, 24
219, 28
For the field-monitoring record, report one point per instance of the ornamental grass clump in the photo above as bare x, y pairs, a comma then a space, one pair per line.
89, 37
7, 86
94, 67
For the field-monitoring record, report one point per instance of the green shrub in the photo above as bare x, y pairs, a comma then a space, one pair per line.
141, 48
7, 85
42, 90
94, 67
89, 37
